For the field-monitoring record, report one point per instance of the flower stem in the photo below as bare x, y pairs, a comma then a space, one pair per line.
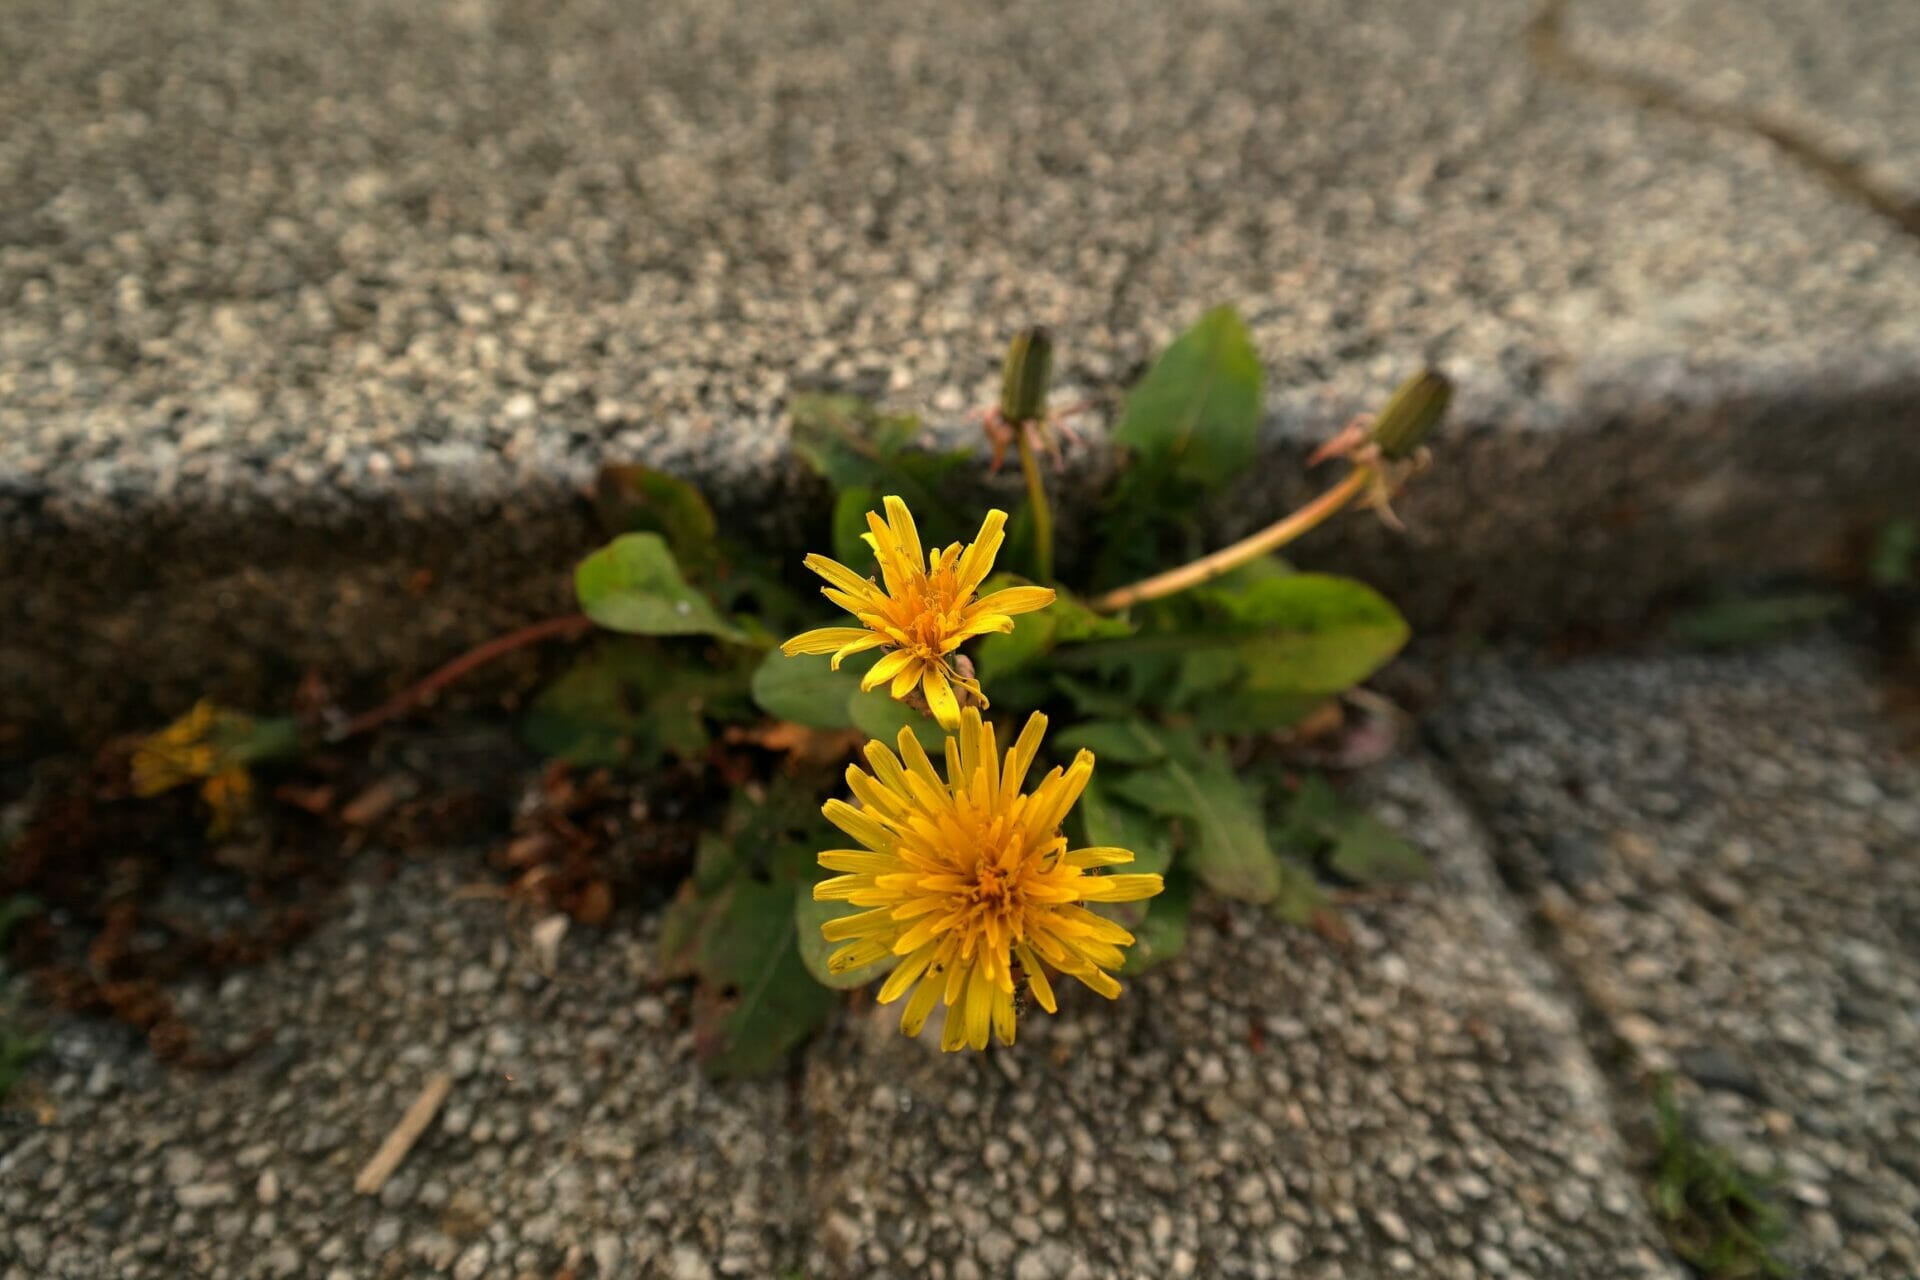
1275, 535
572, 626
1037, 503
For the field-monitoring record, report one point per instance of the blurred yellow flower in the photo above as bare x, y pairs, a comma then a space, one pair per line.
969, 883
212, 746
922, 610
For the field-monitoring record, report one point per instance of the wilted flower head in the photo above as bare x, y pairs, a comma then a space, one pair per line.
969, 884
922, 610
212, 746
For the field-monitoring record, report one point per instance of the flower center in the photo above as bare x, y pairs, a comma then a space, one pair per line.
994, 889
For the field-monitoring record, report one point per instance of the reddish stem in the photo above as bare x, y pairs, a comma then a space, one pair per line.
570, 627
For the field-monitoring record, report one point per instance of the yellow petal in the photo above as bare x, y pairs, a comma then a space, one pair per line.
839, 575
876, 923
914, 1016
1099, 856
887, 668
867, 640
1037, 980
1003, 1017
904, 975
976, 562
1101, 981
976, 627
1126, 888
824, 640
940, 699
1013, 600
900, 521
903, 683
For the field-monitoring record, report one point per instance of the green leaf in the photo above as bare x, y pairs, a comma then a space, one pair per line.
755, 1000
1322, 826
1162, 935
815, 950
1112, 741
1108, 822
631, 498
1065, 621
1370, 852
734, 928
629, 702
1197, 411
1312, 633
1299, 897
1227, 840
850, 508
1733, 620
632, 584
853, 446
879, 716
805, 690
1299, 638
1896, 554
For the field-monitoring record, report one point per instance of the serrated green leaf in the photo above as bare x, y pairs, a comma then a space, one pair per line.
633, 585
1299, 897
1197, 412
755, 1001
1091, 700
1109, 822
815, 950
1298, 639
1121, 742
1315, 816
1322, 827
805, 690
1370, 852
1227, 840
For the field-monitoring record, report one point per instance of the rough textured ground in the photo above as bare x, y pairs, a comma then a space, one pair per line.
1840, 73
1725, 855
316, 315
1270, 1105
1267, 1106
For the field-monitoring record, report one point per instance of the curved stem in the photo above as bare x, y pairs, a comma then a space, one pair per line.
569, 627
1037, 502
1275, 535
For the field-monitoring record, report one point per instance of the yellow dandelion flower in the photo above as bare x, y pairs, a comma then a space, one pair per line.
182, 752
229, 795
212, 746
968, 880
922, 610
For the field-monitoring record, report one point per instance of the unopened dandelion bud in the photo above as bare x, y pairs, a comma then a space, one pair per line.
1413, 411
1029, 368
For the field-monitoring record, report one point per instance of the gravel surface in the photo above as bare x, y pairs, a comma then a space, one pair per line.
1268, 1105
1842, 74
311, 252
317, 315
578, 1127
1725, 854
1272, 1104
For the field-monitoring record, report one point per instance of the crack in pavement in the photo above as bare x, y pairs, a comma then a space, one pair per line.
1549, 48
